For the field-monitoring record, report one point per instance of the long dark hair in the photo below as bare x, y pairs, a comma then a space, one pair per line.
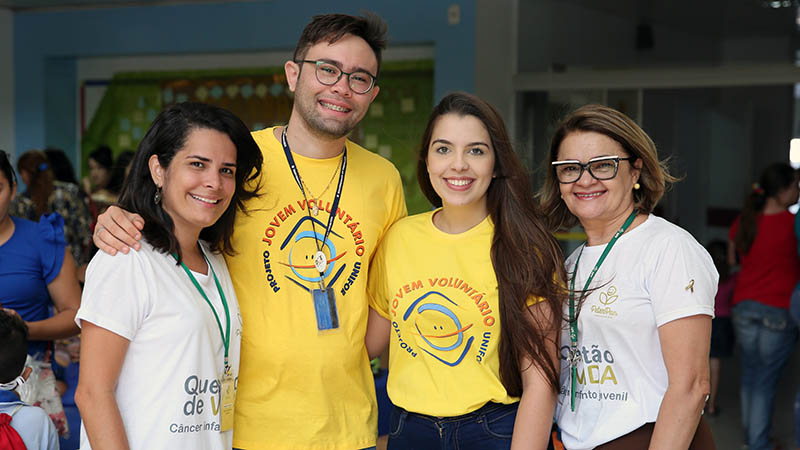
166, 136
6, 169
36, 164
775, 178
526, 258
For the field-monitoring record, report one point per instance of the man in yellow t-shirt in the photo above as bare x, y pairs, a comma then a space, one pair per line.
304, 251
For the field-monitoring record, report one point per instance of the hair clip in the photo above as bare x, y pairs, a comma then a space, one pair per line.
43, 166
758, 189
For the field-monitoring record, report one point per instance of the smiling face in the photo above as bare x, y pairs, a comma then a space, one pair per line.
332, 111
460, 161
591, 200
199, 182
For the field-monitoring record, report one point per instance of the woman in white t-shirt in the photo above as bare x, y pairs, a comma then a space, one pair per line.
634, 372
161, 327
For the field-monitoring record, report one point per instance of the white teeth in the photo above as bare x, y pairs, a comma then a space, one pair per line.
334, 107
595, 194
459, 182
205, 200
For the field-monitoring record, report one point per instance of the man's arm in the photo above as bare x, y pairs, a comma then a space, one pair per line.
118, 230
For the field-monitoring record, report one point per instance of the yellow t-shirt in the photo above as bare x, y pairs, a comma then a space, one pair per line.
300, 388
439, 291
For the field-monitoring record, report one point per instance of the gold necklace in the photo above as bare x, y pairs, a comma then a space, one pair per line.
313, 199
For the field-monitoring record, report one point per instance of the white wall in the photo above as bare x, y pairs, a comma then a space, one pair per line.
495, 55
7, 80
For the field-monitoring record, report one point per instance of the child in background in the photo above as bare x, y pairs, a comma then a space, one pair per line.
18, 420
722, 336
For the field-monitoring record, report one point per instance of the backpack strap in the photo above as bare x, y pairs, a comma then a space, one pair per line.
15, 410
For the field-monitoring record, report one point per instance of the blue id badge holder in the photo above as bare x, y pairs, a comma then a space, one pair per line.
325, 309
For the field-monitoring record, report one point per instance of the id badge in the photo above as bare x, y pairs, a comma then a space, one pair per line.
325, 309
227, 398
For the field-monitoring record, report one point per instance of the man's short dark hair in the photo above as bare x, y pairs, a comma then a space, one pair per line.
13, 346
332, 27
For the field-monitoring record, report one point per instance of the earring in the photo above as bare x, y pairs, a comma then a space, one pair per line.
157, 195
636, 186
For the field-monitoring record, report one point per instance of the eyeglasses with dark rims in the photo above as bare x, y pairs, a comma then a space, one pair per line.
329, 74
601, 168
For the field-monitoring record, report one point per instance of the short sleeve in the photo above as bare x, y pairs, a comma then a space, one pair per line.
23, 207
50, 231
116, 296
376, 282
682, 281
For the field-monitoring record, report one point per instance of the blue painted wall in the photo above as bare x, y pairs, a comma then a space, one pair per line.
48, 44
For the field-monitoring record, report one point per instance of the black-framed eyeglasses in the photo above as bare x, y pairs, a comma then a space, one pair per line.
329, 74
601, 168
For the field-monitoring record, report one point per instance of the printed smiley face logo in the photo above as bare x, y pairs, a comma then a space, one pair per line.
304, 250
609, 297
439, 328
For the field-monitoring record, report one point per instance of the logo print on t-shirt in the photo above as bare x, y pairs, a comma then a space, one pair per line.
439, 327
302, 251
606, 299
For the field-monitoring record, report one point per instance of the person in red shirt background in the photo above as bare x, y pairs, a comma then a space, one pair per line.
763, 237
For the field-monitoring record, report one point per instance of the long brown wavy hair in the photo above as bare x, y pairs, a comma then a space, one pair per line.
36, 164
526, 258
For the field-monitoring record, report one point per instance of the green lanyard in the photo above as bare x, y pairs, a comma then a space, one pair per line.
574, 355
226, 335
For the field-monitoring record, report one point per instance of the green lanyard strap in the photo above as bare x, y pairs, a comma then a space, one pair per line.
574, 356
226, 335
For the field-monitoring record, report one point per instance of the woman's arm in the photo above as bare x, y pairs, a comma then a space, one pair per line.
377, 338
731, 253
66, 294
535, 413
102, 355
685, 345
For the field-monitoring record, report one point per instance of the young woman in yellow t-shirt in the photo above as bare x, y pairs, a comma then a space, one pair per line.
470, 294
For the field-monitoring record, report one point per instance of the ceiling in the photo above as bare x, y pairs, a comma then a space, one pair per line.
27, 5
728, 18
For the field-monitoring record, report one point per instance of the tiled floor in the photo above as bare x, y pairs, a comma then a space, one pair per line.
726, 426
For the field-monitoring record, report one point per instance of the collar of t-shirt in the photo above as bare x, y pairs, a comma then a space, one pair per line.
8, 397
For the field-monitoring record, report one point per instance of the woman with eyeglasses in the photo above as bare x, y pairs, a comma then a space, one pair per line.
469, 295
634, 351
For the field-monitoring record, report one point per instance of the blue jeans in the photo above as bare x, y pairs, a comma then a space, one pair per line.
488, 428
794, 310
767, 336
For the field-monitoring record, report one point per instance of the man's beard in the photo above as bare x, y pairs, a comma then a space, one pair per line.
331, 129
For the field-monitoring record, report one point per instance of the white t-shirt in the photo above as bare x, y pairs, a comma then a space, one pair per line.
168, 391
654, 274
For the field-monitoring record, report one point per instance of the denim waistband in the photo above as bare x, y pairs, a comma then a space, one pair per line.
485, 409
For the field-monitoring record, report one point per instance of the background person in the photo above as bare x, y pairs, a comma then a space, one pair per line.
99, 184
634, 371
156, 361
45, 195
722, 335
473, 362
763, 237
29, 423
37, 273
